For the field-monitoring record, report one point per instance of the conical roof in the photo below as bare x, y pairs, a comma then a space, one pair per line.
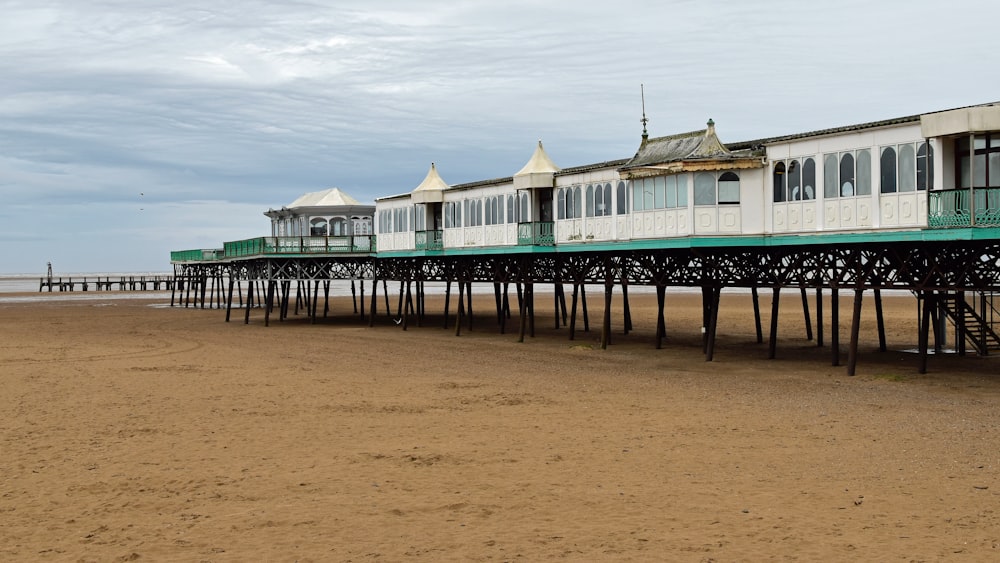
431, 189
539, 163
538, 172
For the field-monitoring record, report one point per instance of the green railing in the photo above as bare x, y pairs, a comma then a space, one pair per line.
951, 208
429, 240
197, 255
299, 245
538, 233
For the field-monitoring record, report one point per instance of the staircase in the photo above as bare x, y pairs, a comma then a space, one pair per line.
980, 318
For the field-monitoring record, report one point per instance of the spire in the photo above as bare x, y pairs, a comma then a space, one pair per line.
644, 120
431, 189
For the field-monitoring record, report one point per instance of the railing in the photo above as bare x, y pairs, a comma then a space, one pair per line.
951, 208
538, 233
429, 240
299, 245
197, 255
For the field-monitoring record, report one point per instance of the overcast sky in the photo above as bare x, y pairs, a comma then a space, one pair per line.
130, 128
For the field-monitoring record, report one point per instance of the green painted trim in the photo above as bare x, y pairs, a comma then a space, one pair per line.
753, 241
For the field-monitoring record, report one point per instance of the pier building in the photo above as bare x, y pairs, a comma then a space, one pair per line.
909, 203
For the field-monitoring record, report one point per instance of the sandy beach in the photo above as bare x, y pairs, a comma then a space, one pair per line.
133, 431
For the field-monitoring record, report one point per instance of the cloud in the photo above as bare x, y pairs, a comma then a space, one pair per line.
251, 104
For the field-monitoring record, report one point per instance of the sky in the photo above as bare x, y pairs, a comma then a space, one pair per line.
130, 128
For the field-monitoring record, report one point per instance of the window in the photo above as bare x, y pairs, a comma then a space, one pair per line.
452, 215
809, 178
847, 174
590, 200
905, 168
925, 167
729, 188
660, 192
621, 198
780, 194
317, 227
338, 226
569, 202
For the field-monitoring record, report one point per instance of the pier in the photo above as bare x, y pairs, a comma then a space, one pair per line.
107, 283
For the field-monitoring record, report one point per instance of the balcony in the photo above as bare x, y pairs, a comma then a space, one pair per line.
951, 208
538, 233
429, 240
300, 245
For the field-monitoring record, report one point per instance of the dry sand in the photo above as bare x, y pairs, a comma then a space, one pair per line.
138, 432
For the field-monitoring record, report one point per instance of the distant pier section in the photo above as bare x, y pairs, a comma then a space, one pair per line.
107, 283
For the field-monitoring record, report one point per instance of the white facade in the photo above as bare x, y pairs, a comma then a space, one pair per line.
868, 177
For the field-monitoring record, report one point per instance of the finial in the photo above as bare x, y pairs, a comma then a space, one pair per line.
644, 120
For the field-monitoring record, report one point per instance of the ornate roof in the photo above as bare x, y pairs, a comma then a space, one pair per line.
325, 198
540, 163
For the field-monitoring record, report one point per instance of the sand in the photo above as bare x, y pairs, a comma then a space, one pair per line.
136, 432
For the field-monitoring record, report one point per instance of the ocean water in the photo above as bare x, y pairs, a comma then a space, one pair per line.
25, 284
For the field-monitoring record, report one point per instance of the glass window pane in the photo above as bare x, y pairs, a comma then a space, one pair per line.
922, 167
729, 188
647, 194
830, 181
659, 186
607, 200
637, 195
590, 200
671, 192
864, 167
794, 181
621, 198
682, 191
963, 172
994, 172
779, 182
577, 202
979, 170
907, 169
704, 189
809, 179
847, 175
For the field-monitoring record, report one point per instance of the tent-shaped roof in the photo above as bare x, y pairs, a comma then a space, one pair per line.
431, 189
538, 172
325, 198
539, 163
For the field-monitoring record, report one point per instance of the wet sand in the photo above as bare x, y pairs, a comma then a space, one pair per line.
132, 432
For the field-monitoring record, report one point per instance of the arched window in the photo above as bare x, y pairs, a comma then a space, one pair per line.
317, 227
621, 199
907, 168
830, 183
499, 209
809, 179
523, 209
338, 227
887, 169
864, 169
779, 182
561, 203
925, 167
511, 216
847, 175
704, 189
577, 202
729, 188
794, 181
590, 200
607, 200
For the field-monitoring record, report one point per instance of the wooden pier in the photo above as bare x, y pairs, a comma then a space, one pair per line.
107, 283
